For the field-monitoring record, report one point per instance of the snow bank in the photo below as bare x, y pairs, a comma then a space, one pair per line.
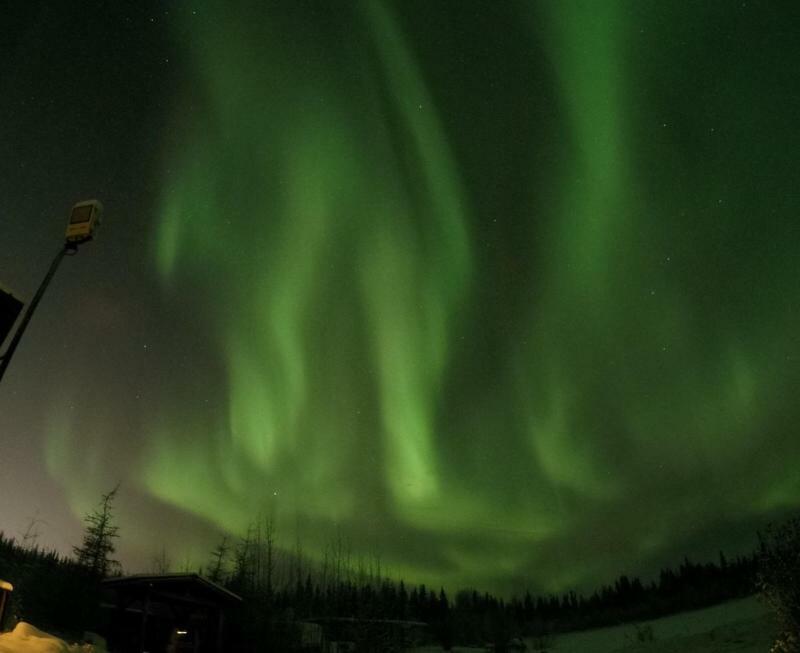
29, 639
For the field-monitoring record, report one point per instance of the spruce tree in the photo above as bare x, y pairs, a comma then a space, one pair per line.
219, 557
98, 545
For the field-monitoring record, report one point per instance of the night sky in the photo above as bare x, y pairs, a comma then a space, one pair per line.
505, 293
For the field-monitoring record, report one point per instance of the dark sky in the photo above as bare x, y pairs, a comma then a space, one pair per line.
505, 293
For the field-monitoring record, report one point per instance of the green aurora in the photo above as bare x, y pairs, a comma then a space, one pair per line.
506, 295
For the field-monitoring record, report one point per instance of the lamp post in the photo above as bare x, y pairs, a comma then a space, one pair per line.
83, 220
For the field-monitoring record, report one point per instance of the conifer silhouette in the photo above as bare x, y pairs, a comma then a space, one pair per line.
98, 544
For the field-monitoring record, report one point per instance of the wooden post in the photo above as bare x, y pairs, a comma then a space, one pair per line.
5, 590
2, 608
146, 609
220, 624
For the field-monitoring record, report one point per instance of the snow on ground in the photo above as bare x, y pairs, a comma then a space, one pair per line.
29, 639
741, 626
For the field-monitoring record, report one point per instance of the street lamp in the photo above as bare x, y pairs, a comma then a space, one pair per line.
83, 221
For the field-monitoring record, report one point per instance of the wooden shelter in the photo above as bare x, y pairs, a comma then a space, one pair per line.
165, 613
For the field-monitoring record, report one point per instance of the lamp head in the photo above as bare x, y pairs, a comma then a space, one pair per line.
83, 220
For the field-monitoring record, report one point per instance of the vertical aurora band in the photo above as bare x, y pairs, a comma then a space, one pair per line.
324, 180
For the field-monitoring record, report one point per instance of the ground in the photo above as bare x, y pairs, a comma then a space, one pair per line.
743, 626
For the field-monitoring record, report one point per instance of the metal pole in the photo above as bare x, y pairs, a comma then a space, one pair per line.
6, 359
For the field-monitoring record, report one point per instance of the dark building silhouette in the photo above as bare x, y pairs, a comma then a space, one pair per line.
167, 613
10, 308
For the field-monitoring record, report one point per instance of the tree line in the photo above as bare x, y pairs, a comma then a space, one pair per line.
279, 589
282, 587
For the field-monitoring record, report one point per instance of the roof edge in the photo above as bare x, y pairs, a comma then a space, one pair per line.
160, 578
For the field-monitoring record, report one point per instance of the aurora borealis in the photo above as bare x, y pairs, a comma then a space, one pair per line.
505, 293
